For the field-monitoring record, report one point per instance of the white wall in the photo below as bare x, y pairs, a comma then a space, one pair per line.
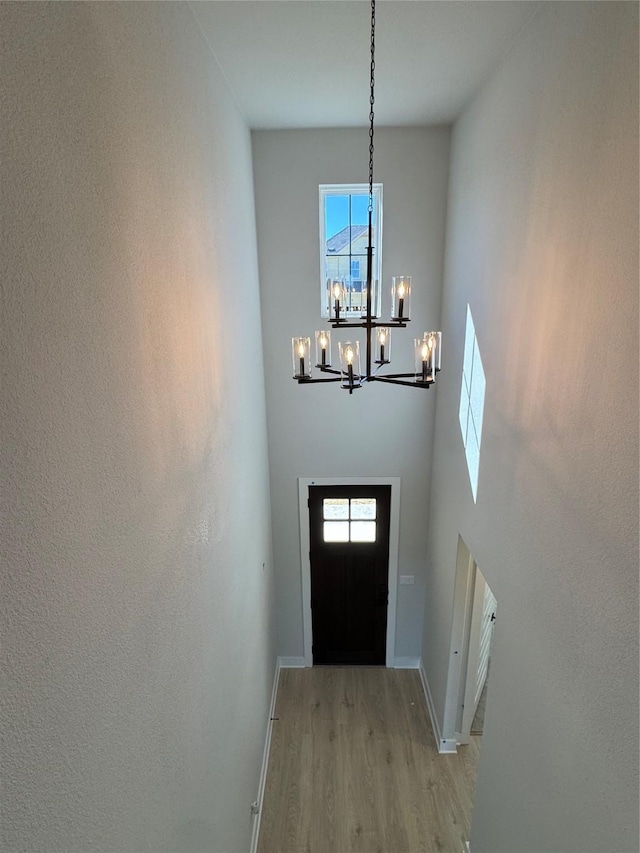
137, 620
321, 431
543, 244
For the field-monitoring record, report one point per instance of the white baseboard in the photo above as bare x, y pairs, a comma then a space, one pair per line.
443, 745
265, 760
291, 663
406, 663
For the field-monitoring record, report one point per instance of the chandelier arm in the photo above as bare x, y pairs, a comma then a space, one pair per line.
306, 380
409, 384
397, 324
377, 368
398, 375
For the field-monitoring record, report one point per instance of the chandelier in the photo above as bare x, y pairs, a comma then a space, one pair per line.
377, 350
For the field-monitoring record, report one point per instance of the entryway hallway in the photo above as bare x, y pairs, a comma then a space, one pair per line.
353, 766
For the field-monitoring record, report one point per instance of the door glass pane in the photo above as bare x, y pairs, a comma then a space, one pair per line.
336, 531
363, 508
335, 508
363, 531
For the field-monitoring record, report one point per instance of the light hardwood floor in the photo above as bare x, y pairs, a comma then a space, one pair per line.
353, 767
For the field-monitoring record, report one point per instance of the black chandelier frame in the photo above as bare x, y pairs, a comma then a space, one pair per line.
368, 322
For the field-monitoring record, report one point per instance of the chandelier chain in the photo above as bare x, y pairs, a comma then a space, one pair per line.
371, 100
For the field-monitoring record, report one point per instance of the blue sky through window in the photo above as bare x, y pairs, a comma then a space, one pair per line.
337, 212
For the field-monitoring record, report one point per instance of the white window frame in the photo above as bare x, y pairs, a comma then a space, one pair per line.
325, 190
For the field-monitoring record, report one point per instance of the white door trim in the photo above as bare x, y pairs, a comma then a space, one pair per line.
473, 654
460, 627
305, 563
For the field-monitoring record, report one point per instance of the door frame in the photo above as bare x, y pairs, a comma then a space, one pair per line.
460, 626
466, 609
305, 562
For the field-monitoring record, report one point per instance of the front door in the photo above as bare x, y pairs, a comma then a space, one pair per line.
349, 537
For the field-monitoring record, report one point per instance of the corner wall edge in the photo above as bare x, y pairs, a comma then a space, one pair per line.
255, 832
443, 745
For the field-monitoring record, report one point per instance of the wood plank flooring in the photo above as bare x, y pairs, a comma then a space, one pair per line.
353, 768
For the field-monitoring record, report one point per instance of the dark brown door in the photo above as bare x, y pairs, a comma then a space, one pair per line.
349, 529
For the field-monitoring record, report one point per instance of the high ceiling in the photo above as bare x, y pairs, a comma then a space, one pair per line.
305, 63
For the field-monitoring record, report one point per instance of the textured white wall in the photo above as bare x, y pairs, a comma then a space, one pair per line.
543, 244
137, 622
321, 431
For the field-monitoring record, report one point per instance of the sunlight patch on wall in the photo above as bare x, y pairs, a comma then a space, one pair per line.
472, 402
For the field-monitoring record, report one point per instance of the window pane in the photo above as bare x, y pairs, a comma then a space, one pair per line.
360, 209
463, 413
336, 531
473, 462
363, 531
478, 388
363, 508
336, 214
335, 508
469, 337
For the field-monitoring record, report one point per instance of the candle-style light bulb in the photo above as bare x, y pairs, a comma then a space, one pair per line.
337, 293
425, 352
350, 364
349, 357
323, 349
382, 342
401, 296
300, 348
434, 339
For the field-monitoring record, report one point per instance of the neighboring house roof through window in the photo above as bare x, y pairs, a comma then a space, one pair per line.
342, 239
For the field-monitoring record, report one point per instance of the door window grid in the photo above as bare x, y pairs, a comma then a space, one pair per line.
349, 519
